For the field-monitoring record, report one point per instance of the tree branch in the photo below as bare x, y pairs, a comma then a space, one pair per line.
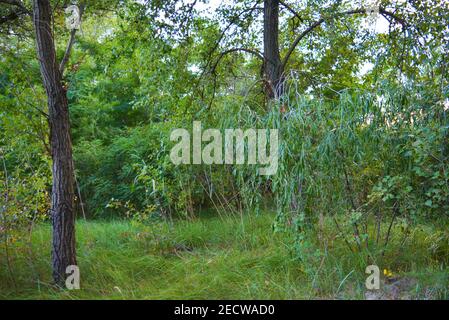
68, 49
251, 51
233, 21
209, 59
299, 38
21, 10
247, 50
287, 6
10, 17
18, 4
320, 21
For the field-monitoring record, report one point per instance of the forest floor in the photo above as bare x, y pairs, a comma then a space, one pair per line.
216, 258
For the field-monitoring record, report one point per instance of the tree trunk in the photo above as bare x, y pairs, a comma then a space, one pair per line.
62, 199
272, 59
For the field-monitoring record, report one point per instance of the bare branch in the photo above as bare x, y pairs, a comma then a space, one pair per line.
67, 52
68, 49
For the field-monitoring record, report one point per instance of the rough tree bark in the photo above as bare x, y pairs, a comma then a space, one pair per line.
272, 59
62, 202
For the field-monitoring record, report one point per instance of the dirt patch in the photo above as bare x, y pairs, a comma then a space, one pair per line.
393, 289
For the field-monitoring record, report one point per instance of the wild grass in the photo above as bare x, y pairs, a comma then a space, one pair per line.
214, 258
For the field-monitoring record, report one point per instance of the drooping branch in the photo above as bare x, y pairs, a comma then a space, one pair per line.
323, 19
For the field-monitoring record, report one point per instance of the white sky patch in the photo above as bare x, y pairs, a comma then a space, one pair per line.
194, 68
382, 25
365, 68
108, 32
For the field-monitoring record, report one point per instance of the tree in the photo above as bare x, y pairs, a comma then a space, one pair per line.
274, 57
62, 199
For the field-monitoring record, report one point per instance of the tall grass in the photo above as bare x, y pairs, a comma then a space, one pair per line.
213, 258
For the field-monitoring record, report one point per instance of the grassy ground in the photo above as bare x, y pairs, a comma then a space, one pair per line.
214, 258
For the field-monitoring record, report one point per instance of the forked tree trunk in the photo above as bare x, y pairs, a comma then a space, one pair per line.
272, 59
62, 198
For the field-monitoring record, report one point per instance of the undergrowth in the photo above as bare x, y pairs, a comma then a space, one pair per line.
234, 257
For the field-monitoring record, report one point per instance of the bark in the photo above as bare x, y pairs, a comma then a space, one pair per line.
62, 200
272, 59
